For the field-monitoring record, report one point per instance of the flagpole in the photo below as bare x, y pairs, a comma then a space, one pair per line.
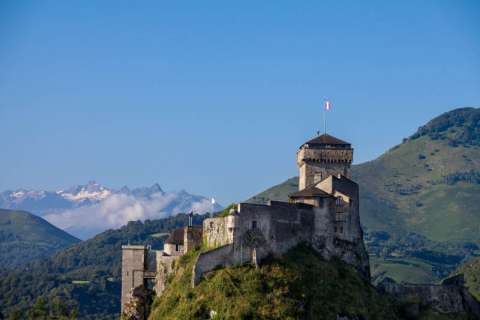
325, 117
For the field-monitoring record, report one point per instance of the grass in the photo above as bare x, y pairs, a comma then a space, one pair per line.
160, 235
403, 270
471, 271
301, 285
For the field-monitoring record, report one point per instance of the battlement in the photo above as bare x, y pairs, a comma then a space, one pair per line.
134, 247
325, 156
323, 214
322, 157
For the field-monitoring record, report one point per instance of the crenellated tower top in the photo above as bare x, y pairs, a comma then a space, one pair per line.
322, 157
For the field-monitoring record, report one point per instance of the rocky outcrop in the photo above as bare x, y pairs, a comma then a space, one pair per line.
450, 297
138, 307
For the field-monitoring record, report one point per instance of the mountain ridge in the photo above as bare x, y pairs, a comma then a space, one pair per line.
428, 187
25, 237
85, 210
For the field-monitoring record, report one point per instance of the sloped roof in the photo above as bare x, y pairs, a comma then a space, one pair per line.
176, 237
311, 191
326, 139
345, 186
197, 233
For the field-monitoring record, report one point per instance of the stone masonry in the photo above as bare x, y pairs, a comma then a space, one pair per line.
323, 213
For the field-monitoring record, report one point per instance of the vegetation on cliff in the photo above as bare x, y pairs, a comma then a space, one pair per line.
299, 285
25, 237
471, 272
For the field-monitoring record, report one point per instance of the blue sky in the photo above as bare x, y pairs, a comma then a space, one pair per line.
216, 96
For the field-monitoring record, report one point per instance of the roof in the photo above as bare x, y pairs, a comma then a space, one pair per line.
176, 237
326, 139
311, 191
345, 185
197, 233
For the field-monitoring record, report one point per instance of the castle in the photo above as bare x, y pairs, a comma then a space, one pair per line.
323, 213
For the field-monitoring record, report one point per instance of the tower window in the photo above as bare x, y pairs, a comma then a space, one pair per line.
176, 247
254, 224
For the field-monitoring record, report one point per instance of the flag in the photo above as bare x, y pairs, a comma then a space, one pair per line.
328, 105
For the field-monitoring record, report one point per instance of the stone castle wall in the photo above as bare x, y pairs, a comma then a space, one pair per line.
210, 260
218, 232
133, 270
316, 165
274, 229
165, 267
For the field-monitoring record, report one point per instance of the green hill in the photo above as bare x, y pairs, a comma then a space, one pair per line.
85, 276
25, 237
298, 285
426, 189
429, 184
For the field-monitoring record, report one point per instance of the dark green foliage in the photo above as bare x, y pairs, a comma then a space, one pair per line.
471, 176
414, 258
471, 272
25, 237
43, 309
446, 127
86, 275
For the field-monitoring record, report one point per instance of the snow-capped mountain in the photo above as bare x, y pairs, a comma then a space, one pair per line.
86, 210
91, 192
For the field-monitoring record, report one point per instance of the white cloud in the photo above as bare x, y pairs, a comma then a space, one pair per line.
118, 209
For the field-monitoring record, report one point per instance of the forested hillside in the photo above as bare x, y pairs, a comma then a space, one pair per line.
25, 237
86, 276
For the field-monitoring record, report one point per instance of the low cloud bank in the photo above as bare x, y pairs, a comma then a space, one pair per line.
118, 209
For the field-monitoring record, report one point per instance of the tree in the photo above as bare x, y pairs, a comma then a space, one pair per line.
39, 310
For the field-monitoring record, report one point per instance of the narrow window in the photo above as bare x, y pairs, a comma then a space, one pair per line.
254, 224
176, 247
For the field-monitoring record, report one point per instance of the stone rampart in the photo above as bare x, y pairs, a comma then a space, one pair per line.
210, 260
218, 232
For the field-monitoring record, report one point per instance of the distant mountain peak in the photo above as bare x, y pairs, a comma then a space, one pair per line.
459, 127
92, 191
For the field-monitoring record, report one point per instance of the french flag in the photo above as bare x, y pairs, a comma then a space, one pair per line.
328, 105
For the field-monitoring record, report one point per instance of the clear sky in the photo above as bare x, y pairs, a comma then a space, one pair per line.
216, 96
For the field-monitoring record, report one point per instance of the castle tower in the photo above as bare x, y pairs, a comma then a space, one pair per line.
133, 270
322, 157
192, 238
